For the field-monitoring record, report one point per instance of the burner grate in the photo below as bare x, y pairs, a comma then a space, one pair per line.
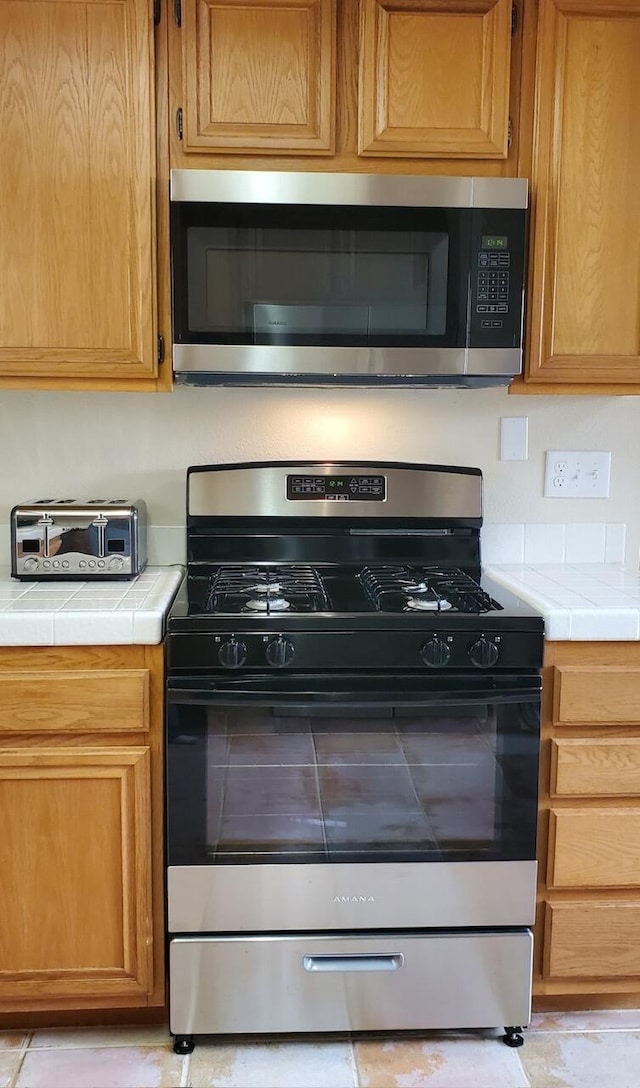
266, 590
424, 589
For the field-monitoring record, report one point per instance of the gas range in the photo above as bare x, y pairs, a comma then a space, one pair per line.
352, 739
342, 566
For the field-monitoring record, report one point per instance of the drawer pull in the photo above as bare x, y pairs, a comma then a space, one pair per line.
353, 963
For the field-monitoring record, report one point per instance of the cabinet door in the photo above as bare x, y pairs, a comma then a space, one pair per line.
75, 858
259, 75
77, 279
585, 284
434, 78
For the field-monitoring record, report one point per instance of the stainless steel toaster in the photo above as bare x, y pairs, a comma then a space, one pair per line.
78, 539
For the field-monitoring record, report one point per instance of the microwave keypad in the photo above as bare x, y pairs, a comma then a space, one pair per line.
492, 286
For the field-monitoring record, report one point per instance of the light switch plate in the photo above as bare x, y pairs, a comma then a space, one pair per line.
514, 438
577, 474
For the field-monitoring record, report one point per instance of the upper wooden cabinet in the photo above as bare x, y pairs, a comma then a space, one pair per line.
77, 173
585, 276
402, 86
259, 75
434, 78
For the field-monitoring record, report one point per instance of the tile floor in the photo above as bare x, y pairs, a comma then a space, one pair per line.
568, 1050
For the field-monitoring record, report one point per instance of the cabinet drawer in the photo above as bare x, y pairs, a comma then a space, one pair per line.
75, 701
595, 767
592, 940
594, 847
594, 694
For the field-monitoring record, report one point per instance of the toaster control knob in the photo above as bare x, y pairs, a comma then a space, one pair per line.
30, 564
232, 653
484, 653
279, 651
116, 562
435, 653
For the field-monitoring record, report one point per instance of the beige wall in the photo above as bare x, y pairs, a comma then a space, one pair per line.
139, 445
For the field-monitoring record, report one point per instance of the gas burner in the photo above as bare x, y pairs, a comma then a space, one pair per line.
266, 603
271, 588
427, 604
428, 589
266, 589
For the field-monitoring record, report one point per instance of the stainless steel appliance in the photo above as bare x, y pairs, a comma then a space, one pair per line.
369, 279
352, 757
78, 539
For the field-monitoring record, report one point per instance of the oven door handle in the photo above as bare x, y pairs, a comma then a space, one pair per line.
230, 693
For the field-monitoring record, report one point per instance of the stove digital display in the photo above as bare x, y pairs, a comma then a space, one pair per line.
345, 488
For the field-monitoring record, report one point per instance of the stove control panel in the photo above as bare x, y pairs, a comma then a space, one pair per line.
345, 487
471, 649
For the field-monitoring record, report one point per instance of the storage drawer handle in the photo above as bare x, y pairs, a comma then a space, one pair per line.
362, 962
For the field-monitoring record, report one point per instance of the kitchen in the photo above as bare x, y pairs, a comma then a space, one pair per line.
143, 444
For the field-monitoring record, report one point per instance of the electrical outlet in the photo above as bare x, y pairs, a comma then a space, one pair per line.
577, 474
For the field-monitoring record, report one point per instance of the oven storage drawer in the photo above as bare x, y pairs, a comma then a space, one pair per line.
441, 979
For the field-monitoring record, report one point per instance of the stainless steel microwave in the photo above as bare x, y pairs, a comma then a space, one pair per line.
346, 279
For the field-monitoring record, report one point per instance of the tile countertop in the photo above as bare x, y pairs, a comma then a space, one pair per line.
87, 613
579, 601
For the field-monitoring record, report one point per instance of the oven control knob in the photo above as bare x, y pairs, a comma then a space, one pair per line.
435, 653
484, 653
232, 653
279, 651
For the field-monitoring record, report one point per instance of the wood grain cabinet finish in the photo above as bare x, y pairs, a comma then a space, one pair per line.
74, 701
594, 848
585, 277
595, 767
259, 75
77, 266
434, 78
596, 695
593, 940
81, 830
587, 935
75, 895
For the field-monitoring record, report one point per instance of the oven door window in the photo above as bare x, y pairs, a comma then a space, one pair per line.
293, 782
316, 275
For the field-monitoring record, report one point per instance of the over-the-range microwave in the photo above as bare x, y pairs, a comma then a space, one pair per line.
338, 279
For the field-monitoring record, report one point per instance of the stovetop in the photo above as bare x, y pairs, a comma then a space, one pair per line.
272, 590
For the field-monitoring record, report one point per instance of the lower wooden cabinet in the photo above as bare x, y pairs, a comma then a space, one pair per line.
81, 819
588, 921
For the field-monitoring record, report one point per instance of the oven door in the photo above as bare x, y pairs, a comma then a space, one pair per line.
344, 802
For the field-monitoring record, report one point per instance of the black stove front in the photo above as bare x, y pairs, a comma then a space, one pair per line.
353, 716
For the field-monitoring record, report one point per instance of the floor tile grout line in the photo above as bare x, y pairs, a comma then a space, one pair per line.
102, 1046
185, 1079
23, 1053
580, 1031
354, 1062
